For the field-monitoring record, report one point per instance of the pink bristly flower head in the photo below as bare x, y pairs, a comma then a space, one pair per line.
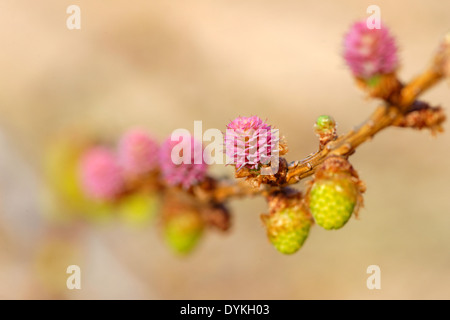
181, 161
100, 174
138, 152
250, 142
370, 52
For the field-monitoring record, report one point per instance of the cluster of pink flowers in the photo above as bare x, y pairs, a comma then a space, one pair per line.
104, 172
370, 52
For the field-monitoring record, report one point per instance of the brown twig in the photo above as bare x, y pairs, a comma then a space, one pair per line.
386, 115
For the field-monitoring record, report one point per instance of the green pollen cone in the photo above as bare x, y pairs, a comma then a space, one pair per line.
332, 201
288, 229
65, 198
138, 209
183, 230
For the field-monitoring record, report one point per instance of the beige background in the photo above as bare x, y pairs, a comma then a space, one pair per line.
163, 64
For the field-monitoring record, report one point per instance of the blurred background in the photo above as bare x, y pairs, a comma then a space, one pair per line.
163, 64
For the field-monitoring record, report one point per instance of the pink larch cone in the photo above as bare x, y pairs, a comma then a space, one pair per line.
370, 52
250, 142
100, 174
138, 152
184, 174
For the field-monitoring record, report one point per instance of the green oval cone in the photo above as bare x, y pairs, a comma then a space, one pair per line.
183, 230
66, 199
332, 201
288, 229
138, 209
